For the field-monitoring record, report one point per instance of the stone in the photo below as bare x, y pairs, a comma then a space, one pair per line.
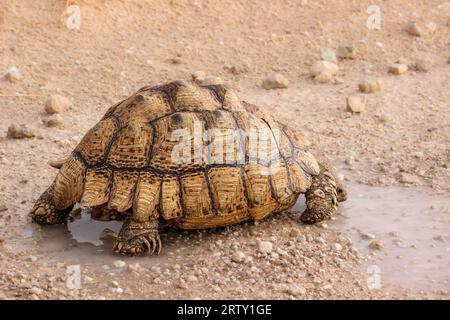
323, 67
376, 245
366, 235
327, 55
264, 246
134, 267
371, 85
356, 103
275, 81
419, 29
294, 233
12, 74
210, 80
397, 68
423, 65
57, 104
415, 29
346, 50
119, 264
198, 77
295, 290
176, 60
108, 234
54, 120
409, 178
324, 77
191, 278
3, 208
19, 132
238, 257
336, 247
238, 68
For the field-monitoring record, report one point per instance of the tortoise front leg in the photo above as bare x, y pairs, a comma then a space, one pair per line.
45, 212
323, 196
136, 238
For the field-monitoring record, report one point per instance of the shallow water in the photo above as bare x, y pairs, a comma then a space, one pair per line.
414, 226
412, 223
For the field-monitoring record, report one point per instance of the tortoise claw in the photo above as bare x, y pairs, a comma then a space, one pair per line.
137, 238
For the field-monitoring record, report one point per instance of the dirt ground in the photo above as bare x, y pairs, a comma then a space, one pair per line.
395, 152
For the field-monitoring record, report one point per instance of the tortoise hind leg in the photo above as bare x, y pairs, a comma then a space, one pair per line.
136, 238
45, 212
323, 196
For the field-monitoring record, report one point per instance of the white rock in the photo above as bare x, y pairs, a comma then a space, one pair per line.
119, 264
327, 55
323, 67
264, 246
36, 290
336, 247
211, 80
12, 74
356, 103
192, 278
198, 77
238, 257
275, 81
57, 104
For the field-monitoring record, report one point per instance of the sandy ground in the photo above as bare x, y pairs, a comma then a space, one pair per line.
397, 150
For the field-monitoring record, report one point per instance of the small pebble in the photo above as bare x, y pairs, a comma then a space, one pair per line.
53, 121
19, 132
371, 85
264, 246
327, 55
376, 245
57, 104
119, 264
423, 65
398, 68
275, 81
356, 103
336, 247
320, 67
12, 74
238, 257
346, 50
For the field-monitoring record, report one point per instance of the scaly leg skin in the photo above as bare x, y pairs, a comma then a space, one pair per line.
44, 211
323, 196
136, 238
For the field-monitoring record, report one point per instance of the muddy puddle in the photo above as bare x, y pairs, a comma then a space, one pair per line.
412, 223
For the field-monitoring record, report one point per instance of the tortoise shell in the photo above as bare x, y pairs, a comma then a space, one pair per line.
128, 162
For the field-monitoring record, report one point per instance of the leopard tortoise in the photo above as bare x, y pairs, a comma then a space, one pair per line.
190, 156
